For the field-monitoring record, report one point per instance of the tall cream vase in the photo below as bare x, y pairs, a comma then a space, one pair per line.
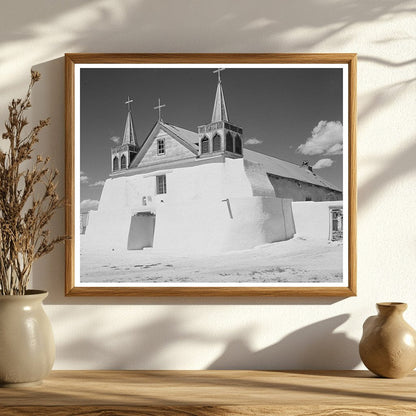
27, 347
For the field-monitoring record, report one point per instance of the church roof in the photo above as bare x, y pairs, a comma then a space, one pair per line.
272, 165
129, 131
189, 136
279, 167
185, 137
219, 113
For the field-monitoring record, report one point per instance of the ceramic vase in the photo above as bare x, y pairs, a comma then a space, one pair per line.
27, 347
388, 345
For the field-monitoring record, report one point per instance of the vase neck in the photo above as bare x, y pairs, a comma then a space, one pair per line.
390, 308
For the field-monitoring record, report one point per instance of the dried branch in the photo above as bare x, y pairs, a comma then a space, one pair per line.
24, 217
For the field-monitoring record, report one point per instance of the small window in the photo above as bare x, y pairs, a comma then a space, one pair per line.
229, 146
204, 145
144, 201
115, 163
238, 145
161, 146
216, 143
161, 184
123, 162
336, 226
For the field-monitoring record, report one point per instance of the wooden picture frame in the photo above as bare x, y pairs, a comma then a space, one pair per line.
204, 157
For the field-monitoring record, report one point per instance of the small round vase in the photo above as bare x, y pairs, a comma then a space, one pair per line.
27, 347
388, 345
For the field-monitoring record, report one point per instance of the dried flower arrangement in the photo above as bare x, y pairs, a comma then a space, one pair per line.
28, 199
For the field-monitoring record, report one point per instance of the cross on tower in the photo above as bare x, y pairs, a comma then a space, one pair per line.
218, 71
129, 100
159, 107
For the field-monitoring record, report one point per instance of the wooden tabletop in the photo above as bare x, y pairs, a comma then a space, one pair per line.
253, 393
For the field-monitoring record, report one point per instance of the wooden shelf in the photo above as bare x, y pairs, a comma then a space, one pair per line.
203, 393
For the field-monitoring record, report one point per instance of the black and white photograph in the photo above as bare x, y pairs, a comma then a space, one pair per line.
211, 175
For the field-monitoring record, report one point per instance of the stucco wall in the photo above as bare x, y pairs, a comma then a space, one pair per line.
108, 230
259, 180
222, 225
312, 218
193, 214
198, 333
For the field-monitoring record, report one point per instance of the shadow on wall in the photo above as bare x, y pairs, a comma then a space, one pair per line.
99, 18
128, 26
314, 347
241, 28
48, 100
394, 168
108, 26
142, 347
152, 345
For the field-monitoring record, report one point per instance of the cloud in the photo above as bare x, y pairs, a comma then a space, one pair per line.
88, 205
326, 139
98, 183
253, 141
323, 163
83, 177
115, 139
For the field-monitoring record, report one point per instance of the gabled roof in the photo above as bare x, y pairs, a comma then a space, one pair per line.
189, 136
279, 167
183, 136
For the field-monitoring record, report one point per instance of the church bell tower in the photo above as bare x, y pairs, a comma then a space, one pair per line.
220, 136
122, 155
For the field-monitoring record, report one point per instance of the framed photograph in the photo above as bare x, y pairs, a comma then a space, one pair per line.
211, 174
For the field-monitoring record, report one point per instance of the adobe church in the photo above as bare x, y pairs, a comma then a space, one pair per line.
200, 191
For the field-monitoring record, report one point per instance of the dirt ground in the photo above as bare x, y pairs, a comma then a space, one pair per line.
298, 260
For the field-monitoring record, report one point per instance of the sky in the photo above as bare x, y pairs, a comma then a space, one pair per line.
292, 114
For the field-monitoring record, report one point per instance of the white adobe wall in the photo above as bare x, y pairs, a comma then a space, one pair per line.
205, 181
193, 214
259, 180
108, 229
222, 225
127, 192
312, 218
209, 180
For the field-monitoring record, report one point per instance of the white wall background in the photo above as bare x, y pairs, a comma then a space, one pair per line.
200, 333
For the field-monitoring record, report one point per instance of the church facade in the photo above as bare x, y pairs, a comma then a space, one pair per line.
199, 191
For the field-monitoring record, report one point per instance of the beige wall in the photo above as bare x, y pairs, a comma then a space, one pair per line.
194, 333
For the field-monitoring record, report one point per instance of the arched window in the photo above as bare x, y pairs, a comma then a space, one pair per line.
229, 147
238, 145
204, 145
115, 163
216, 143
123, 162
